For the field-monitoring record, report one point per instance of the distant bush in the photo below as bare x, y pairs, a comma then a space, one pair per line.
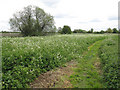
109, 30
115, 30
90, 31
101, 32
66, 30
79, 31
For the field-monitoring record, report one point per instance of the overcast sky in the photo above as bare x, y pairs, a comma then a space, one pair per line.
78, 14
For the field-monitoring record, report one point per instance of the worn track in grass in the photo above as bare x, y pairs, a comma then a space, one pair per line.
59, 78
88, 73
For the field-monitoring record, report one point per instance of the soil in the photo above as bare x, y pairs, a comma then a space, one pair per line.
55, 78
97, 65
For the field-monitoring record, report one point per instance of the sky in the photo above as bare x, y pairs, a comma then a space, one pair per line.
78, 14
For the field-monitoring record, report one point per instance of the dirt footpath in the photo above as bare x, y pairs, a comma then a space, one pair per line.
55, 78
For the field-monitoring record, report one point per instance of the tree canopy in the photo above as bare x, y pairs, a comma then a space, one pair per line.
66, 30
109, 30
32, 21
115, 30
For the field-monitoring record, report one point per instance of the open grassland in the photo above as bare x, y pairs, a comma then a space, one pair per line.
25, 58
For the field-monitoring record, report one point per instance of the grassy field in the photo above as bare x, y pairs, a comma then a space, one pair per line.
25, 58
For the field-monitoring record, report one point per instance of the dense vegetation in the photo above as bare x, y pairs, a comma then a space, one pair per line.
110, 62
99, 67
25, 58
88, 72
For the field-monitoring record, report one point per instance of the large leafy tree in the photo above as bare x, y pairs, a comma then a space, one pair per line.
32, 20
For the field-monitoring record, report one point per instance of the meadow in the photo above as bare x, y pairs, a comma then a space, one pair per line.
25, 58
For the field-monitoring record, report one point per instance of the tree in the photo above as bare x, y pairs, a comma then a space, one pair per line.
91, 30
102, 32
66, 30
109, 30
115, 30
79, 31
32, 20
59, 29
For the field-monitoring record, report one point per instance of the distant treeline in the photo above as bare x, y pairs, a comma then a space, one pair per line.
65, 30
19, 34
8, 32
109, 30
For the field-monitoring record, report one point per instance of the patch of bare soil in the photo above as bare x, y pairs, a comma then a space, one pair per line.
53, 78
97, 65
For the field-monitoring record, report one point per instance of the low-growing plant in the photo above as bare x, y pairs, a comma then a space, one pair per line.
25, 58
110, 62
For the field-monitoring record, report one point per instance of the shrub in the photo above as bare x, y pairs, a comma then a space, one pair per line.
66, 30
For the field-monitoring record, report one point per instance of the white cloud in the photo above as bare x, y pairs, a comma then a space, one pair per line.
84, 14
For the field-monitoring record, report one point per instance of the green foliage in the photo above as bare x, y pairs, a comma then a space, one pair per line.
32, 21
86, 75
110, 62
66, 30
109, 30
90, 31
102, 31
8, 32
25, 58
115, 30
59, 30
79, 31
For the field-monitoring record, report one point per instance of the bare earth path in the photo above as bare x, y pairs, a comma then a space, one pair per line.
60, 77
55, 78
